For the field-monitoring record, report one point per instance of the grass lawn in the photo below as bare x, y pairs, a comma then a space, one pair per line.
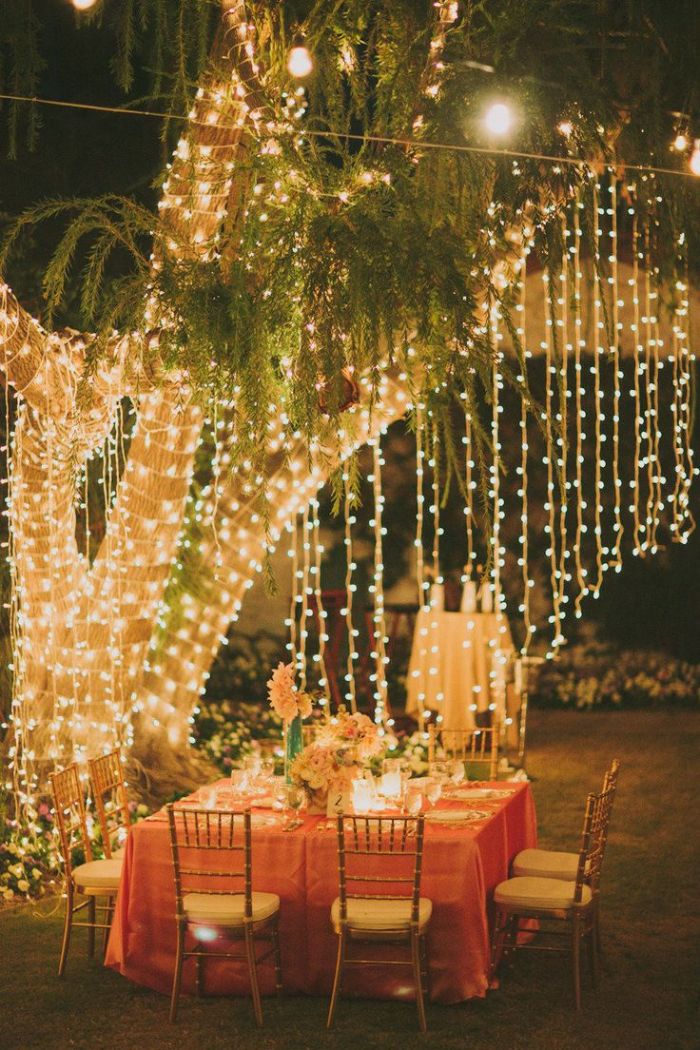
650, 928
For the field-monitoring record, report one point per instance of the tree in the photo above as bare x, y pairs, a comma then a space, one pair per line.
246, 305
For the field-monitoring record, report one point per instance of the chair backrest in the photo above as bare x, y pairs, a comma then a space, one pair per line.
380, 858
69, 809
470, 745
211, 851
594, 839
110, 797
611, 775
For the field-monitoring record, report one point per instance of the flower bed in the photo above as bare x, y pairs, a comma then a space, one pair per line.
586, 677
228, 730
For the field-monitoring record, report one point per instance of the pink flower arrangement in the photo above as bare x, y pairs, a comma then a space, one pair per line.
342, 747
359, 732
284, 696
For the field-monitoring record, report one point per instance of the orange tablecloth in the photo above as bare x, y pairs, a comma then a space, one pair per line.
461, 867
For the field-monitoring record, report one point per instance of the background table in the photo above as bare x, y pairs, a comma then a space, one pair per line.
461, 867
454, 668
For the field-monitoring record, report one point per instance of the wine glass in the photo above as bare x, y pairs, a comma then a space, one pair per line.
239, 782
457, 771
433, 790
413, 799
267, 770
294, 799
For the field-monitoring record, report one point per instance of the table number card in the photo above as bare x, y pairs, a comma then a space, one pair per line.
338, 802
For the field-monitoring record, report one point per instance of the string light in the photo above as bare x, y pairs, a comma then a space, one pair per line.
694, 162
498, 119
299, 61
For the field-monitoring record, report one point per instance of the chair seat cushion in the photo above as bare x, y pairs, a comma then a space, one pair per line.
227, 909
523, 893
546, 864
98, 875
367, 914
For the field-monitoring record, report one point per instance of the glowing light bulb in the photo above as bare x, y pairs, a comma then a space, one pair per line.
83, 5
695, 158
680, 143
498, 119
566, 128
299, 61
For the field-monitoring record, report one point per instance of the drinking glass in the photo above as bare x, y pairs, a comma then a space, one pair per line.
457, 771
294, 799
267, 769
433, 790
413, 799
439, 770
239, 781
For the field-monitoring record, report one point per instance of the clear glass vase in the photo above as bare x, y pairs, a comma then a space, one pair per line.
293, 744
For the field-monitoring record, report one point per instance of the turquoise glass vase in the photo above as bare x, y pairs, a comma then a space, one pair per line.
293, 744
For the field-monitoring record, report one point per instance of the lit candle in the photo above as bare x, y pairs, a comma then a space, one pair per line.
362, 793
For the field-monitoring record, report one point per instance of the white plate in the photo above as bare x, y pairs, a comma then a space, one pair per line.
452, 816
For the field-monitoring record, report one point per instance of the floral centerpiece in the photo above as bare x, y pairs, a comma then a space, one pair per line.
292, 705
343, 745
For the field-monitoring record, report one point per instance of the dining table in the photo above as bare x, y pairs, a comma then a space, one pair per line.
470, 840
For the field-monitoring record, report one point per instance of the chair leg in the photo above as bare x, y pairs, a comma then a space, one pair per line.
593, 953
177, 976
91, 929
576, 957
277, 955
67, 923
339, 962
425, 969
415, 958
109, 915
511, 937
499, 936
253, 971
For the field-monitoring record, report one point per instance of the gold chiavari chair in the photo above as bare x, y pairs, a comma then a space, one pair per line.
93, 879
212, 864
111, 801
381, 905
572, 903
477, 748
558, 864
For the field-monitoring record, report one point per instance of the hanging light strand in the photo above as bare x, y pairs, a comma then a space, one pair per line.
597, 394
349, 521
579, 346
563, 417
638, 347
420, 503
292, 528
378, 619
469, 486
521, 332
617, 303
550, 505
321, 614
